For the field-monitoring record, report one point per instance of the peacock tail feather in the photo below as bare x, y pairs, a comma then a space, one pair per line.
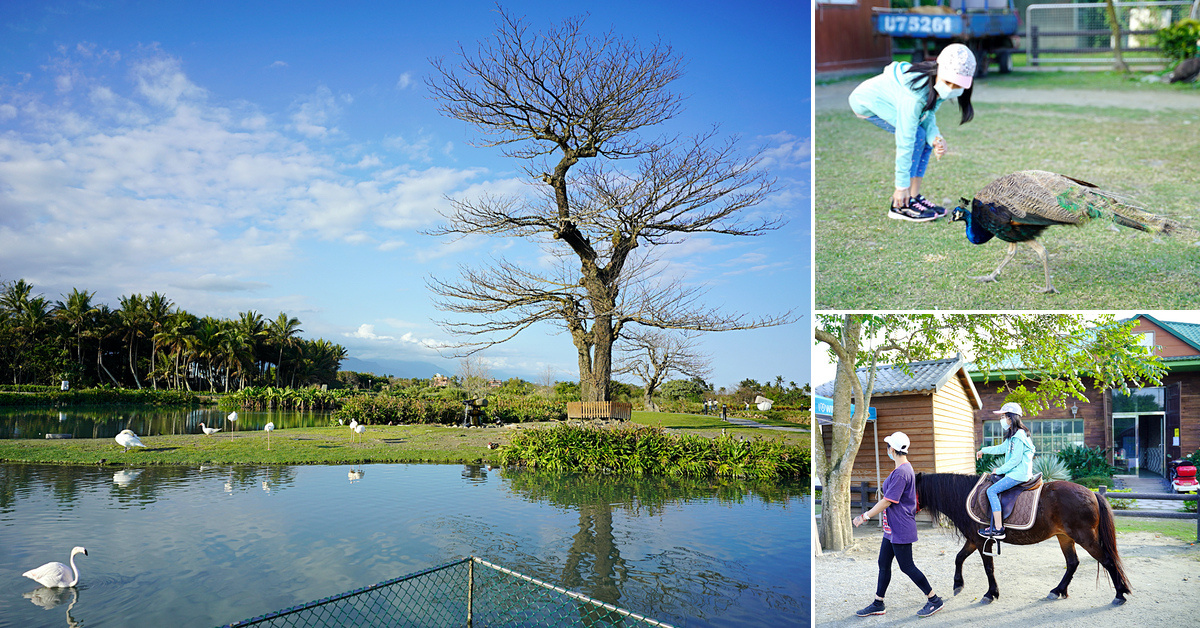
1045, 198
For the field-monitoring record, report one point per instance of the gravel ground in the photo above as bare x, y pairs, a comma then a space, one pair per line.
1164, 574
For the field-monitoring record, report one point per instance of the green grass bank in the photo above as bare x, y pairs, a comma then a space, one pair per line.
338, 445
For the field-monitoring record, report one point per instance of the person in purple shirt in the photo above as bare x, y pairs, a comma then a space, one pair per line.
898, 510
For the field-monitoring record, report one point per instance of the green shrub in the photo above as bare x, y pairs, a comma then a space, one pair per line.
985, 463
1120, 504
1048, 465
651, 451
383, 409
1178, 41
1085, 461
1094, 481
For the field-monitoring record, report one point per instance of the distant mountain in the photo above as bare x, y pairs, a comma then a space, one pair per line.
396, 368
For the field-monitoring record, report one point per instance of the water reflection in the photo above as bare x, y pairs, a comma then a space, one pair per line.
48, 598
202, 547
108, 421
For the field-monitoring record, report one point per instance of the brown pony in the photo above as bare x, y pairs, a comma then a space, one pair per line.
1069, 511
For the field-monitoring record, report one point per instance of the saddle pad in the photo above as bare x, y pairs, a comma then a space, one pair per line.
1024, 511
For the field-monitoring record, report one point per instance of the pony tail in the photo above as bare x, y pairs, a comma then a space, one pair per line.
926, 74
964, 105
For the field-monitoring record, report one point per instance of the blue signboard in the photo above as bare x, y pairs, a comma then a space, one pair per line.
918, 25
823, 408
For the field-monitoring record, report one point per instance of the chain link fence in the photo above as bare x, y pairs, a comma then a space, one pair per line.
1079, 33
470, 592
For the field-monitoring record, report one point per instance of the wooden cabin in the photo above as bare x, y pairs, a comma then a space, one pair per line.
935, 406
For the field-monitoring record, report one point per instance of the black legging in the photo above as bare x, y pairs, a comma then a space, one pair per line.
902, 552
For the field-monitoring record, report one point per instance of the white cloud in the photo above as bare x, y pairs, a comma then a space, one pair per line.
785, 150
150, 178
278, 64
405, 81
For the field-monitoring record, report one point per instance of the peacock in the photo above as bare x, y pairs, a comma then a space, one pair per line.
1018, 207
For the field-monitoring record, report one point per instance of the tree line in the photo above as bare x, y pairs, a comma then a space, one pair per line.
149, 342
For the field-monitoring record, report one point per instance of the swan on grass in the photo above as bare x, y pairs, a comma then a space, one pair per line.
128, 439
56, 575
268, 428
209, 431
359, 429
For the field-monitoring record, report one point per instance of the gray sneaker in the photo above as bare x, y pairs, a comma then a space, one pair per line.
932, 606
911, 214
876, 608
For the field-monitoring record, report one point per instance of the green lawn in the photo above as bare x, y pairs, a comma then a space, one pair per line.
1182, 529
330, 445
864, 260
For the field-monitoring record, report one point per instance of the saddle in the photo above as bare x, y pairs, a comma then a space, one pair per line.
1018, 505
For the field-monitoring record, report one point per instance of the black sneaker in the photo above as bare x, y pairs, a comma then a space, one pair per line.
992, 533
911, 214
932, 606
920, 202
876, 608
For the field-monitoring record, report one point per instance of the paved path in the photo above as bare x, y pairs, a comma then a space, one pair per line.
1147, 485
748, 423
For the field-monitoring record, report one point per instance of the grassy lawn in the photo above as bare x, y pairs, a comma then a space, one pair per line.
712, 425
331, 445
317, 445
867, 261
1182, 529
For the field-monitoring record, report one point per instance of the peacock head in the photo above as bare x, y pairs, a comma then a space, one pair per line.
962, 212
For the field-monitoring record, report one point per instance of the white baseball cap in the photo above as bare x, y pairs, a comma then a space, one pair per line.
898, 441
1010, 407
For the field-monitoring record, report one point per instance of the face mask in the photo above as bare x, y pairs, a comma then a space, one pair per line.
1006, 423
945, 93
891, 456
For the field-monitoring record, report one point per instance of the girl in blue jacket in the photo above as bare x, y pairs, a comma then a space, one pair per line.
904, 101
1017, 466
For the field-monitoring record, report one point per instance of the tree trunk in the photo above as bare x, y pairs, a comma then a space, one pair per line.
1118, 61
648, 400
100, 362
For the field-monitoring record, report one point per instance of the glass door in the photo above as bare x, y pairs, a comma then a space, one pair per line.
1125, 443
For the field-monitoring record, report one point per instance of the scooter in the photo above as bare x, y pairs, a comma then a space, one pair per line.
1183, 476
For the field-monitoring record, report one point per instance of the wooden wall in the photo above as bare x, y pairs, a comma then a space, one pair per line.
1096, 415
845, 42
934, 448
1172, 347
954, 429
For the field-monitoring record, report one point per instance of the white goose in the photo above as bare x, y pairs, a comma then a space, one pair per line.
56, 575
209, 431
128, 439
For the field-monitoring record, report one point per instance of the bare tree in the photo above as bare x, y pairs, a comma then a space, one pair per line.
474, 375
555, 99
653, 356
1114, 25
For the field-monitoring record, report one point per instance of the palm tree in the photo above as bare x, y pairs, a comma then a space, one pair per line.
106, 325
157, 309
254, 327
174, 338
132, 315
282, 332
76, 312
207, 346
30, 325
235, 352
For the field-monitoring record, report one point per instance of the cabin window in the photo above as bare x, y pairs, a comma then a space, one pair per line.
1048, 436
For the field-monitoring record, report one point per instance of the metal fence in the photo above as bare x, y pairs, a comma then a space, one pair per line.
1154, 514
470, 592
1080, 34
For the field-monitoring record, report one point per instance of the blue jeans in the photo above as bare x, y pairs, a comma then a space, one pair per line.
993, 491
921, 149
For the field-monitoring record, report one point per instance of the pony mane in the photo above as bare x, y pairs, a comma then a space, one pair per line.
945, 496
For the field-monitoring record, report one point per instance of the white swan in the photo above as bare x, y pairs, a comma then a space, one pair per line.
359, 428
353, 423
128, 439
209, 431
56, 575
268, 428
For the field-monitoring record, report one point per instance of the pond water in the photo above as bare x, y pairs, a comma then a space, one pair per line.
107, 421
203, 547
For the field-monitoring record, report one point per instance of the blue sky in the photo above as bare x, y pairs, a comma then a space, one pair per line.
287, 156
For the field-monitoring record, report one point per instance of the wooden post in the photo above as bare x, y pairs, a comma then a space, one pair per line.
470, 592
